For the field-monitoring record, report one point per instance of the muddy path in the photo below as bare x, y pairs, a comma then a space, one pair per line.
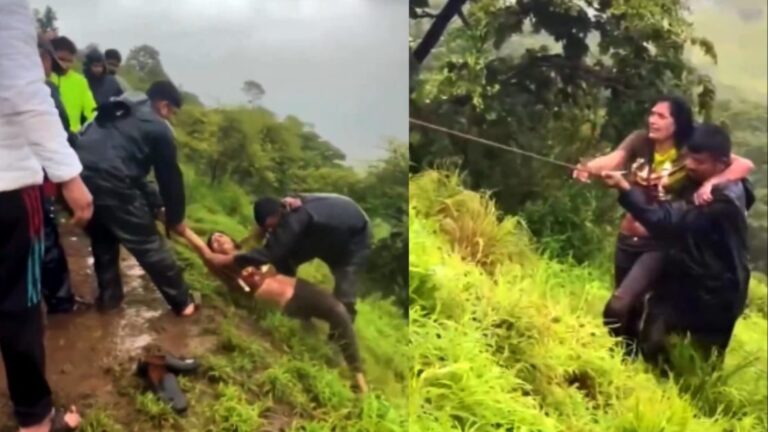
90, 355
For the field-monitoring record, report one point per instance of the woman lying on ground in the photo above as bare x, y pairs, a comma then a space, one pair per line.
654, 159
296, 298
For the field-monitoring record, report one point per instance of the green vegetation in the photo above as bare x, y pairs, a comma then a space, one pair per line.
265, 366
504, 339
266, 371
568, 80
507, 286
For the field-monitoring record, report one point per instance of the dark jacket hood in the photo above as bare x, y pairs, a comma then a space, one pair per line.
93, 57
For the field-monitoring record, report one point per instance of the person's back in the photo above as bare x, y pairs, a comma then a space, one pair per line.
707, 264
336, 222
116, 148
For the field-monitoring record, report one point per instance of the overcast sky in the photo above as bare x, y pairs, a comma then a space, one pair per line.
341, 65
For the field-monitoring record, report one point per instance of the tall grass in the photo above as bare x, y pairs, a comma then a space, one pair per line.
266, 369
503, 339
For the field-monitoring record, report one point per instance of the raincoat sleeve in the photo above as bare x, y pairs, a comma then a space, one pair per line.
280, 242
170, 180
672, 218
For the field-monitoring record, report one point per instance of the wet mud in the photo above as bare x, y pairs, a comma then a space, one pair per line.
90, 354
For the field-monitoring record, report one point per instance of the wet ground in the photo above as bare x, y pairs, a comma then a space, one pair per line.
90, 353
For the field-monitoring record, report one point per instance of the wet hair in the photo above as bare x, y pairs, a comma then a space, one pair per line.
264, 208
682, 116
710, 139
165, 91
63, 43
209, 242
113, 54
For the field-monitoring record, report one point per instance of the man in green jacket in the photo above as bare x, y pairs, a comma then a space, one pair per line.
73, 87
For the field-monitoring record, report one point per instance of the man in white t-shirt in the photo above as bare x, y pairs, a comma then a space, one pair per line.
32, 139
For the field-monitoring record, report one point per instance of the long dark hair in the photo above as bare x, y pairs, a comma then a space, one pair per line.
682, 116
209, 242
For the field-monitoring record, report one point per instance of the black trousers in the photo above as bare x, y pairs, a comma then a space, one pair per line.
132, 225
21, 319
56, 287
665, 316
309, 301
637, 265
345, 272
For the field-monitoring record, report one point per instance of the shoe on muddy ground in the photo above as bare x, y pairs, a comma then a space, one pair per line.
162, 382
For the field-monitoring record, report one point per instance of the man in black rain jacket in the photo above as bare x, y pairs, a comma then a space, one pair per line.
127, 140
330, 227
104, 85
704, 283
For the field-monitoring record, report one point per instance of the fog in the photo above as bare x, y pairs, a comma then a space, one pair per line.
340, 65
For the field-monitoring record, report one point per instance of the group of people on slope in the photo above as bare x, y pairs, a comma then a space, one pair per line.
98, 157
681, 260
76, 98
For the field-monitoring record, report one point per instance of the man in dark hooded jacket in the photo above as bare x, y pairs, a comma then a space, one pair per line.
127, 140
703, 286
55, 284
330, 227
103, 85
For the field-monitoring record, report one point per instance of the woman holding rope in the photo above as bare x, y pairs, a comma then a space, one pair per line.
653, 158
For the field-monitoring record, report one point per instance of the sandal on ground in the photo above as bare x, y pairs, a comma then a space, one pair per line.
162, 382
58, 424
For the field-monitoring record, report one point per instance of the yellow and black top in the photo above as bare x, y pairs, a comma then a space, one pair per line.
661, 174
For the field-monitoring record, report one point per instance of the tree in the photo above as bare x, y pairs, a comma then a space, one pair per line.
451, 9
144, 61
587, 86
46, 22
253, 91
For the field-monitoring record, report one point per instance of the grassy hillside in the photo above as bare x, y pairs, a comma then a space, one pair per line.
266, 364
503, 339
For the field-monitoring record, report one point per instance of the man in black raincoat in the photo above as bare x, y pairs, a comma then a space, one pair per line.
703, 287
330, 227
127, 140
103, 85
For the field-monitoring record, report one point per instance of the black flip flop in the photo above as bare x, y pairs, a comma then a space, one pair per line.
162, 382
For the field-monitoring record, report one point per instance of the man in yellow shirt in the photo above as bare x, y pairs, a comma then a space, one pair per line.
73, 87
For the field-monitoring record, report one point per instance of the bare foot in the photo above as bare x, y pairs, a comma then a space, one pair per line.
72, 418
362, 386
189, 310
56, 422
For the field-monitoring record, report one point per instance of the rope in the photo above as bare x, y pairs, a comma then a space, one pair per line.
497, 145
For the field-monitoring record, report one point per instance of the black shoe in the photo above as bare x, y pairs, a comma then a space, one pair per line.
179, 365
162, 382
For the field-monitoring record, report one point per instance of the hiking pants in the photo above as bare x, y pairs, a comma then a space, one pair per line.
637, 265
133, 226
56, 287
309, 301
345, 274
21, 318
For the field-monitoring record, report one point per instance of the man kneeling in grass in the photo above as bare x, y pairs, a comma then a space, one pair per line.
297, 298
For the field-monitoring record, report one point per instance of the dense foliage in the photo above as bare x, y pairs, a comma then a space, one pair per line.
504, 339
264, 364
565, 79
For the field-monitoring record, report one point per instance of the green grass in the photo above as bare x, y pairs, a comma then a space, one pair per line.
266, 364
502, 339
